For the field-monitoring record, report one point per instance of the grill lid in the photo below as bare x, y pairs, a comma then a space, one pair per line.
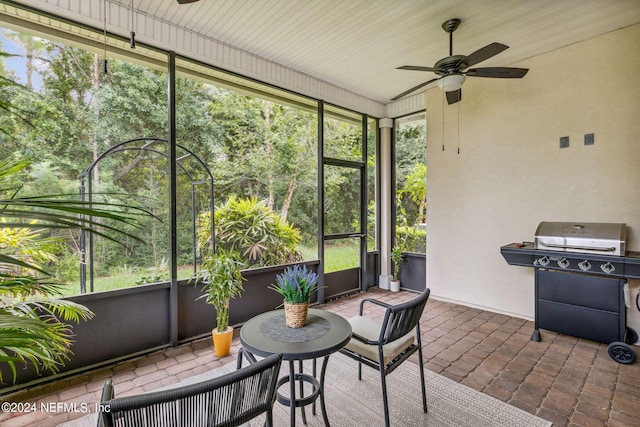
586, 237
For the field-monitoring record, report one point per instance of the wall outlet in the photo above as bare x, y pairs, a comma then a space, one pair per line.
589, 139
564, 141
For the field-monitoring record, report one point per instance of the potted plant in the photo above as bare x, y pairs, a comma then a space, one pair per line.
397, 254
296, 284
222, 279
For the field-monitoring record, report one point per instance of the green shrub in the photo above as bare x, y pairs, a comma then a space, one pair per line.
413, 238
251, 228
153, 278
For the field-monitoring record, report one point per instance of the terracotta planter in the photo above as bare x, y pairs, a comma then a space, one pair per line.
295, 314
222, 341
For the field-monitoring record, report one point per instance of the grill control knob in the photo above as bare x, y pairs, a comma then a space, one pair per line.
563, 263
608, 268
544, 261
584, 265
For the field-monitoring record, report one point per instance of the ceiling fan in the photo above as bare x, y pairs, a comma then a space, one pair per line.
186, 1
454, 69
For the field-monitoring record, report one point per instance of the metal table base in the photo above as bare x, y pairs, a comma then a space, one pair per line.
317, 391
324, 334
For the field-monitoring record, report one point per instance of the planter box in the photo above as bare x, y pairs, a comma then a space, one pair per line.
413, 272
126, 322
138, 319
197, 317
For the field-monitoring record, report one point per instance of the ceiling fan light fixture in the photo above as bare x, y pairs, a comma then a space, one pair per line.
452, 82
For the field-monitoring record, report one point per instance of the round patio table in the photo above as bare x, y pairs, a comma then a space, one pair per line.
324, 333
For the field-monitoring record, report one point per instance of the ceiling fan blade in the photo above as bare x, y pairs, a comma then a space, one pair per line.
415, 68
187, 1
407, 92
483, 54
498, 72
454, 96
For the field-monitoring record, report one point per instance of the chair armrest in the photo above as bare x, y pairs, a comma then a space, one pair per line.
373, 301
364, 340
244, 353
107, 394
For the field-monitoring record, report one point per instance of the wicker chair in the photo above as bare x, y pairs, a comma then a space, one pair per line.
229, 400
385, 345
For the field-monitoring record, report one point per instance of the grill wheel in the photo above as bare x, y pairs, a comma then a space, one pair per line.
622, 353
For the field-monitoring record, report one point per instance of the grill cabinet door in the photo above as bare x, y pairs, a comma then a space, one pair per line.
584, 306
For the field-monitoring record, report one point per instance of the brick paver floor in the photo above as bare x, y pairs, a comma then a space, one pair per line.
569, 381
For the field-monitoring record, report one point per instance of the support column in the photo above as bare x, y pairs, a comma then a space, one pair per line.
173, 227
386, 198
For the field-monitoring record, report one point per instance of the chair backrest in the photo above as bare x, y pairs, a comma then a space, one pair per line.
228, 400
400, 319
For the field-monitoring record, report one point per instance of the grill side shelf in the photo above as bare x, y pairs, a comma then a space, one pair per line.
521, 254
632, 265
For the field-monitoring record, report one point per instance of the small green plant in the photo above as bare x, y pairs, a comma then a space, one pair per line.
222, 278
296, 284
153, 278
397, 254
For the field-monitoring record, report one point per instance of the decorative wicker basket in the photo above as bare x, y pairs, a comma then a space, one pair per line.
295, 314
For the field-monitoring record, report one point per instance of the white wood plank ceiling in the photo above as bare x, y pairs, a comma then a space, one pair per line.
357, 44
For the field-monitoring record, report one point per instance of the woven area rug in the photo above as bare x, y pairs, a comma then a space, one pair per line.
359, 403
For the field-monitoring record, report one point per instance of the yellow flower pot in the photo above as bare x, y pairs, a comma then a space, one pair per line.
222, 341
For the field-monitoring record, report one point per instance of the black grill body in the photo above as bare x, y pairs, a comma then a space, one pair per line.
577, 294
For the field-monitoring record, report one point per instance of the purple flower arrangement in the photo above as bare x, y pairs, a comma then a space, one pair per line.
296, 284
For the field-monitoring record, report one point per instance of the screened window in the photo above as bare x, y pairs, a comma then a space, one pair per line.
411, 190
95, 115
75, 106
260, 144
372, 184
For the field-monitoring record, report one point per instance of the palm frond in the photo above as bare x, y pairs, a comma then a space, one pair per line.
10, 260
43, 343
12, 165
34, 325
16, 286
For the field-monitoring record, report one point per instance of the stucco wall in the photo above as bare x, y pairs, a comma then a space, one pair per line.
511, 174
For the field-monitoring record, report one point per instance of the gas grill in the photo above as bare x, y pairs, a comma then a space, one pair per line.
580, 281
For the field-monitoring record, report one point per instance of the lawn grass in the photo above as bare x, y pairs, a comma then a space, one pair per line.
337, 257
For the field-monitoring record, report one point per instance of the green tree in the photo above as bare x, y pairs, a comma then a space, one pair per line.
411, 201
416, 189
343, 140
287, 154
33, 47
267, 150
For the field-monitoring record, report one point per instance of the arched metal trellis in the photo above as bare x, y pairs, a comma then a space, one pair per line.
187, 162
